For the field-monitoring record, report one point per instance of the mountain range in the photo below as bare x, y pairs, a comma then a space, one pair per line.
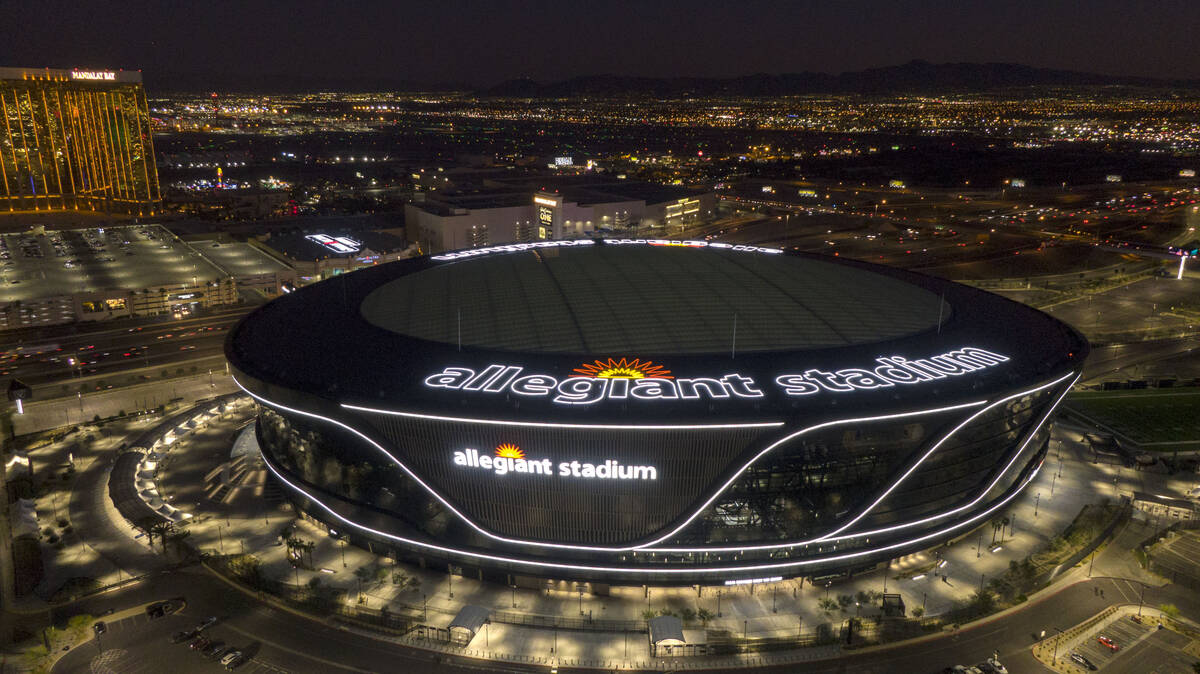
911, 77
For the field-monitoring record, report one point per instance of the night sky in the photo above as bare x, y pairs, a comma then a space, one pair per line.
223, 44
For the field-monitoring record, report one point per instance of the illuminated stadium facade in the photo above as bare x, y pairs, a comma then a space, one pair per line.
76, 140
651, 412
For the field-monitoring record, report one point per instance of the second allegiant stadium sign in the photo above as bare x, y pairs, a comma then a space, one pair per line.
626, 379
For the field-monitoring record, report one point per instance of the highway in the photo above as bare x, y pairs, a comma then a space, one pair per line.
58, 362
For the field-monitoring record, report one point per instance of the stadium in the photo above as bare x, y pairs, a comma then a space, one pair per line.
649, 411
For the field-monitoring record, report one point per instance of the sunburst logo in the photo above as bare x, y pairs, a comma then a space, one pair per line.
622, 369
510, 451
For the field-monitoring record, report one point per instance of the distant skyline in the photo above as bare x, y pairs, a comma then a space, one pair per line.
255, 44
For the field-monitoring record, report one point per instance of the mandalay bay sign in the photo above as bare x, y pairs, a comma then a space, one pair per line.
626, 379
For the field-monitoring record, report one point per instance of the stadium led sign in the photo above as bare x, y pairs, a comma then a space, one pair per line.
636, 380
510, 459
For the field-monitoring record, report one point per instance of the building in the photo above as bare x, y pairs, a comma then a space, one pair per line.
1166, 507
76, 140
320, 255
63, 276
526, 209
651, 411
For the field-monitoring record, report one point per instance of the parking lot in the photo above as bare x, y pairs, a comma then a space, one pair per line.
140, 644
64, 262
1124, 633
1180, 555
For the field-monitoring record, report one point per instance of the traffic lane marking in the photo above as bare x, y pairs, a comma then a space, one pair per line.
301, 654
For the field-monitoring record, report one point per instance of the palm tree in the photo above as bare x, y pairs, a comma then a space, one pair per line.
161, 529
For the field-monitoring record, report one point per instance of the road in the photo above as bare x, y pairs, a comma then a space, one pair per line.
280, 640
73, 359
276, 640
1119, 359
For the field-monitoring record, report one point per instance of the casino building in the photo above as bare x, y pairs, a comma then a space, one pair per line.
649, 411
76, 140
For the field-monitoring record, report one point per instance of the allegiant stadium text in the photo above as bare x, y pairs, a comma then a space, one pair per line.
584, 390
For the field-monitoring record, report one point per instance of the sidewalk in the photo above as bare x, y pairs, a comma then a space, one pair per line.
242, 522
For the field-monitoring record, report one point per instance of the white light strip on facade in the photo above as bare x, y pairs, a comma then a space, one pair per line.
649, 572
832, 536
982, 494
545, 424
513, 541
419, 481
929, 453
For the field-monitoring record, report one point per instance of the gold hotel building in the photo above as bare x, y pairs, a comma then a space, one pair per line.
75, 140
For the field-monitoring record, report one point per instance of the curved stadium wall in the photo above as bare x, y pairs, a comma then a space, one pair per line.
641, 443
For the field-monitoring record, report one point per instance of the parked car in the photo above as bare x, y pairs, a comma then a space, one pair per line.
199, 643
206, 623
1087, 664
1108, 643
233, 660
180, 637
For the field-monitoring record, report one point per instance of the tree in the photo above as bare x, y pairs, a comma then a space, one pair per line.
648, 614
917, 612
1170, 610
705, 615
983, 600
827, 604
161, 528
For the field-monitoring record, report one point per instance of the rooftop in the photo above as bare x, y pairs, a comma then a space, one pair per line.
309, 247
648, 299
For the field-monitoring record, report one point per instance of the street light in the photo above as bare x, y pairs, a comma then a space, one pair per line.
1036, 501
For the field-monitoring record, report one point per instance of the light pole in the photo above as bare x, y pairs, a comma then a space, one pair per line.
424, 608
924, 595
981, 576
581, 601
718, 602
1141, 600
342, 545
979, 545
1090, 562
514, 595
774, 591
1036, 501
450, 579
